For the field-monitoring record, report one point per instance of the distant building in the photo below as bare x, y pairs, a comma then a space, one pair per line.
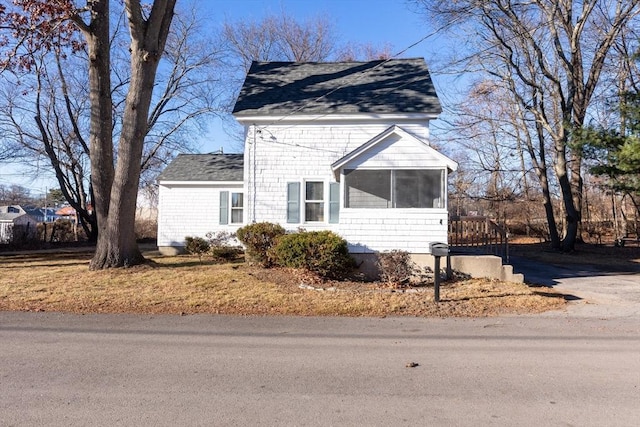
69, 213
42, 214
16, 224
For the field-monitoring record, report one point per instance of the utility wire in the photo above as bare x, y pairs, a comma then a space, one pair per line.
354, 78
348, 81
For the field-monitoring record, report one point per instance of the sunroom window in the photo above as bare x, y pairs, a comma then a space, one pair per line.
395, 188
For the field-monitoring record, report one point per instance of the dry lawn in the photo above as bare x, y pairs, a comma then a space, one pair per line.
62, 282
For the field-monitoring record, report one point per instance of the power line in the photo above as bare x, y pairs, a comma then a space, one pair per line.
348, 81
355, 77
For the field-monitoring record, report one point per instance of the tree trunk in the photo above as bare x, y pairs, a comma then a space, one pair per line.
117, 245
100, 132
572, 214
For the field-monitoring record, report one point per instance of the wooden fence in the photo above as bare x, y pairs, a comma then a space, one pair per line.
478, 234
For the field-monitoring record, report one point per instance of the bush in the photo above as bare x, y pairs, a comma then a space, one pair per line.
258, 239
225, 253
221, 246
146, 229
63, 230
196, 246
396, 267
321, 252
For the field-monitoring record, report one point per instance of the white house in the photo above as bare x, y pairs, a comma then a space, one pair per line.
329, 146
198, 194
16, 224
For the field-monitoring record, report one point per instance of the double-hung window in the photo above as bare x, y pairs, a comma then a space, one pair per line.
231, 207
312, 201
237, 207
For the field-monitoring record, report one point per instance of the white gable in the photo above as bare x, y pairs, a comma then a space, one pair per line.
394, 149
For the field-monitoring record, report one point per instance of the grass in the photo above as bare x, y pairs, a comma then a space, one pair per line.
62, 282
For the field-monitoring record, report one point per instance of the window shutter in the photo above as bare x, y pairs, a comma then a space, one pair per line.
334, 202
293, 202
224, 207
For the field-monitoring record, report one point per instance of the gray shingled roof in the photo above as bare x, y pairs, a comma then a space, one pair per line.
11, 212
380, 87
204, 167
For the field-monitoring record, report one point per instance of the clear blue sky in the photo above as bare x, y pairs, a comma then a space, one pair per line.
362, 21
375, 22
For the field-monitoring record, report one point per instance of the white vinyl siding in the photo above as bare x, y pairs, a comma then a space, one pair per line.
193, 209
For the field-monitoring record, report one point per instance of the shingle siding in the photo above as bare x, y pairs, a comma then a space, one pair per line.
296, 153
187, 210
302, 120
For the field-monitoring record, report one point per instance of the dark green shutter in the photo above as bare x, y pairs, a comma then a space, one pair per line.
293, 202
334, 202
224, 207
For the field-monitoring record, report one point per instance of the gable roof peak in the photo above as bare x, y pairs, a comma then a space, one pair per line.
390, 86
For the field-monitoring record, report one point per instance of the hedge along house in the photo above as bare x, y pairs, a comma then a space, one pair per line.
328, 146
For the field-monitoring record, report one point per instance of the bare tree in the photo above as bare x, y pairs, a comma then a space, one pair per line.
279, 38
15, 194
58, 100
366, 52
549, 56
50, 26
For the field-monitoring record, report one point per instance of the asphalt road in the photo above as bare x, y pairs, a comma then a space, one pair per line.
591, 292
234, 371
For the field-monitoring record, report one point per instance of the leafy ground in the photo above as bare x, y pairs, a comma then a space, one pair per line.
62, 282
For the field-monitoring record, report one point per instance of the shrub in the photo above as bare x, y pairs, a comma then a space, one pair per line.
63, 230
196, 246
320, 252
225, 253
258, 238
221, 245
146, 229
396, 267
220, 238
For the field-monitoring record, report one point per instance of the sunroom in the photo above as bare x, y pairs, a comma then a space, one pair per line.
394, 193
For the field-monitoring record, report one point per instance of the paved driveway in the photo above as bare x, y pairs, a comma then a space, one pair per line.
592, 292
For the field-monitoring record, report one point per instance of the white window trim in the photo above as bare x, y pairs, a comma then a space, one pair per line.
325, 201
443, 183
231, 208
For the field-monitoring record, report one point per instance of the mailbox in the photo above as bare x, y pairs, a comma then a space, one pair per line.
439, 249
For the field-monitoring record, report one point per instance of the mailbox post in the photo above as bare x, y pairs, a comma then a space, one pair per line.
437, 250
